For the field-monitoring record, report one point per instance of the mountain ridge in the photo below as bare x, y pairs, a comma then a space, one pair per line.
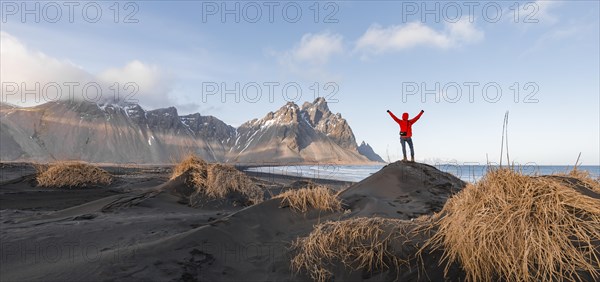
68, 130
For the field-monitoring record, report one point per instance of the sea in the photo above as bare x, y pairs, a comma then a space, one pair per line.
355, 173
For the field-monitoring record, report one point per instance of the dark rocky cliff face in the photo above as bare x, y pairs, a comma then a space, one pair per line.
210, 128
165, 119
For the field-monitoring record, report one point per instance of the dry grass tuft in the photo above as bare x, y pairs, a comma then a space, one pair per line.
71, 175
359, 243
317, 197
585, 177
194, 163
216, 181
513, 227
225, 179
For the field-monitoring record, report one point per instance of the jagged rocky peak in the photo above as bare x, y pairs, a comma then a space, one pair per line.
208, 127
333, 125
136, 113
316, 110
195, 122
118, 109
133, 111
287, 113
366, 150
167, 112
165, 118
319, 103
191, 118
101, 109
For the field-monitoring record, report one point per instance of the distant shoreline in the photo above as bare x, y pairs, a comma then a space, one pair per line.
325, 173
20, 169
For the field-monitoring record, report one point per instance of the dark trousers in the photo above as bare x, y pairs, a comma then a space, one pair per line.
403, 141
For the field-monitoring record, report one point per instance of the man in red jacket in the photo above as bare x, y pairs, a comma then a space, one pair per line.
406, 132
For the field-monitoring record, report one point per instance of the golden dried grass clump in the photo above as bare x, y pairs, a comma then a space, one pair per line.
515, 227
194, 164
71, 175
216, 181
585, 177
358, 243
317, 197
225, 179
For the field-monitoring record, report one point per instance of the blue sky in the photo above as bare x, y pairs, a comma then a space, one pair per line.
368, 51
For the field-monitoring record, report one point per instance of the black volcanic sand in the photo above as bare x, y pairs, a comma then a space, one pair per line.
140, 228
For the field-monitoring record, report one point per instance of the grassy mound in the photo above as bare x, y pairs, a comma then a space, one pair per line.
71, 175
359, 243
318, 197
225, 179
197, 166
216, 181
515, 227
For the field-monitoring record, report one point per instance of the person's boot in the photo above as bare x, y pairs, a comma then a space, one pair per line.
412, 159
404, 159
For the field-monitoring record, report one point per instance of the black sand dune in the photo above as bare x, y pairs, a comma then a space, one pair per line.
403, 191
150, 233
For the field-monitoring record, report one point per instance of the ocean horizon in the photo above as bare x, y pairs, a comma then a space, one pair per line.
356, 173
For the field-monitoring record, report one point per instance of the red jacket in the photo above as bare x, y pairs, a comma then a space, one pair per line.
405, 123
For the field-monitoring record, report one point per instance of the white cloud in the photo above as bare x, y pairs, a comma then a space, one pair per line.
317, 49
153, 84
21, 66
378, 39
463, 32
309, 57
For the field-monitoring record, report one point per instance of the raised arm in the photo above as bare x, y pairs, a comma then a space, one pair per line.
417, 117
393, 116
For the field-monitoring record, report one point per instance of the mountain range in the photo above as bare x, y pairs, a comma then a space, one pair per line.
118, 133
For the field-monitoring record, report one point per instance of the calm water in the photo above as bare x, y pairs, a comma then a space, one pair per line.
357, 173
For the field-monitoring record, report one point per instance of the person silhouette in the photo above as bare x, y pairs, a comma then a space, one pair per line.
406, 132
